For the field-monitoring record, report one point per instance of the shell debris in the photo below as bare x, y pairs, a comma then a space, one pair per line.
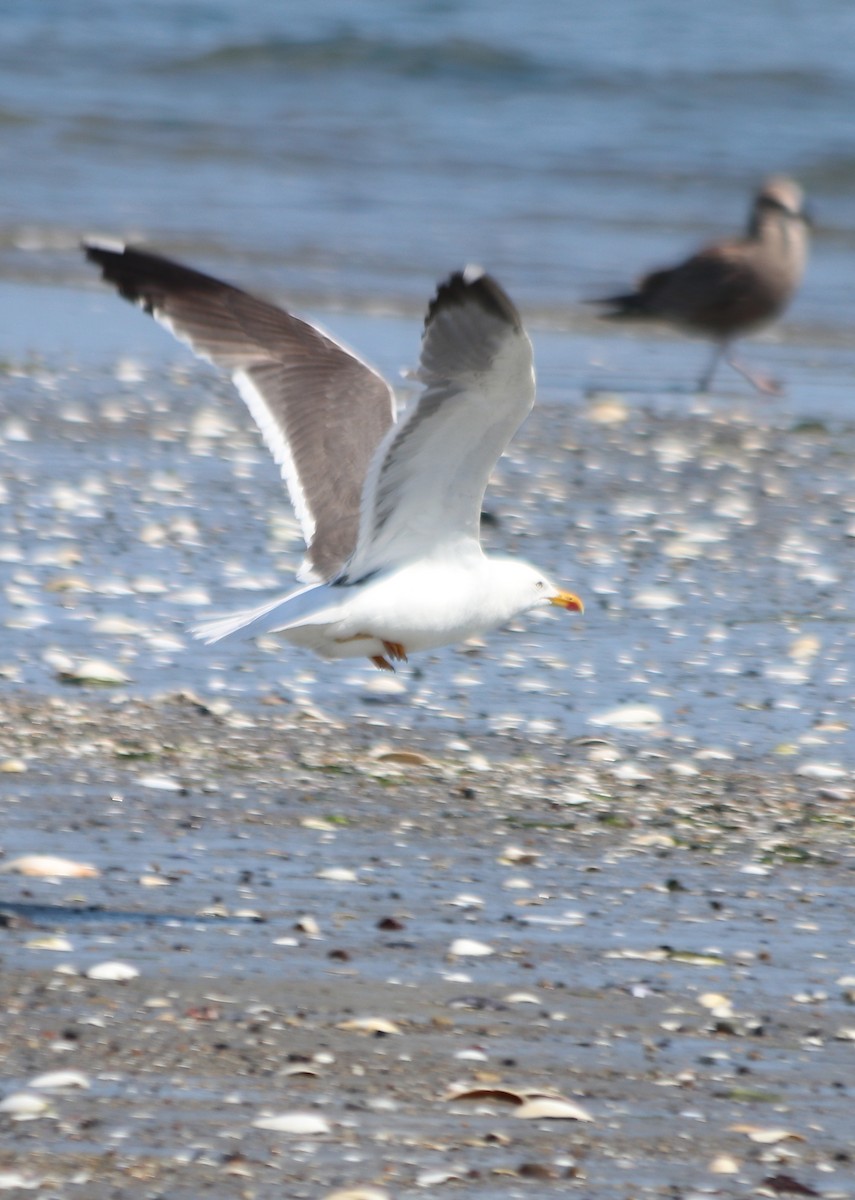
469, 948
113, 971
299, 1123
50, 866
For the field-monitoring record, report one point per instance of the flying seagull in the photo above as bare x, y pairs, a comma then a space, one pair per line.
389, 511
732, 287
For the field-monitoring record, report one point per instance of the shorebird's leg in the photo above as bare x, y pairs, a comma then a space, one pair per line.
707, 377
765, 384
395, 651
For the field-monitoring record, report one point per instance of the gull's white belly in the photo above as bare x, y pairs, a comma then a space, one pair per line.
418, 606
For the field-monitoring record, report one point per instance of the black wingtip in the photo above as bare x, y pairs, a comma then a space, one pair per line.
125, 268
145, 278
473, 283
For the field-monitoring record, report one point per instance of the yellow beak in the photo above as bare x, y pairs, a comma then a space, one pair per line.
567, 600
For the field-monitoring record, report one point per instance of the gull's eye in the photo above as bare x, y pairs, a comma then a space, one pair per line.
539, 584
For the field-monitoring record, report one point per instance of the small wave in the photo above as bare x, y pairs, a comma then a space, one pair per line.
450, 57
8, 117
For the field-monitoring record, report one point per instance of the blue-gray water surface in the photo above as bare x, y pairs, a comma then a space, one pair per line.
359, 149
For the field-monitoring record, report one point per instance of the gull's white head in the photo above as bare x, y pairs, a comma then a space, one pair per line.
516, 587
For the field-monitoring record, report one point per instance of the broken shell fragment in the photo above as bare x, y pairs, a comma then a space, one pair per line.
294, 1122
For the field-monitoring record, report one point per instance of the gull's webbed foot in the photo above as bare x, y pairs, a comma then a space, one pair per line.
396, 651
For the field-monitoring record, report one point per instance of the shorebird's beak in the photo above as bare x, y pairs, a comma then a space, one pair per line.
567, 600
807, 215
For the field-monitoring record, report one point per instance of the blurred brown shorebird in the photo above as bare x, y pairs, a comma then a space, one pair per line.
731, 287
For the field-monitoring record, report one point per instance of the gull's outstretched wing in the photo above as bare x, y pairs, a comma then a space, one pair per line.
425, 485
321, 410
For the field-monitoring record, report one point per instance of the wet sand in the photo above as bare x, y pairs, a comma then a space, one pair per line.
675, 955
611, 858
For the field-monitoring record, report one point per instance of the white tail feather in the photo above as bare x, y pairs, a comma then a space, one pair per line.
227, 624
307, 606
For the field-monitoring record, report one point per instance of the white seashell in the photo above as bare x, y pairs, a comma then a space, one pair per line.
337, 874
551, 1108
294, 1122
606, 408
24, 1104
15, 431
469, 948
117, 972
50, 866
724, 1164
574, 798
656, 599
94, 670
194, 597
381, 687
128, 370
52, 1080
684, 769
766, 1135
118, 626
369, 1025
209, 423
147, 585
518, 854
432, 1178
627, 716
629, 772
309, 925
50, 941
17, 1180
821, 770
160, 783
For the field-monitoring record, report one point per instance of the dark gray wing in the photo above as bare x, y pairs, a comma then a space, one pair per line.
424, 488
320, 409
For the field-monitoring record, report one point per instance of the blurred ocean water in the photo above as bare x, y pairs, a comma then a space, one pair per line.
355, 150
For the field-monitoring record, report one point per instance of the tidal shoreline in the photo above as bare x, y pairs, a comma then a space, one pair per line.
609, 858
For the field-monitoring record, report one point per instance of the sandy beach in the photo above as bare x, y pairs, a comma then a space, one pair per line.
566, 911
603, 864
401, 946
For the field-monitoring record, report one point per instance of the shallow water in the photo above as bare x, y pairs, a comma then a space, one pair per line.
361, 149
